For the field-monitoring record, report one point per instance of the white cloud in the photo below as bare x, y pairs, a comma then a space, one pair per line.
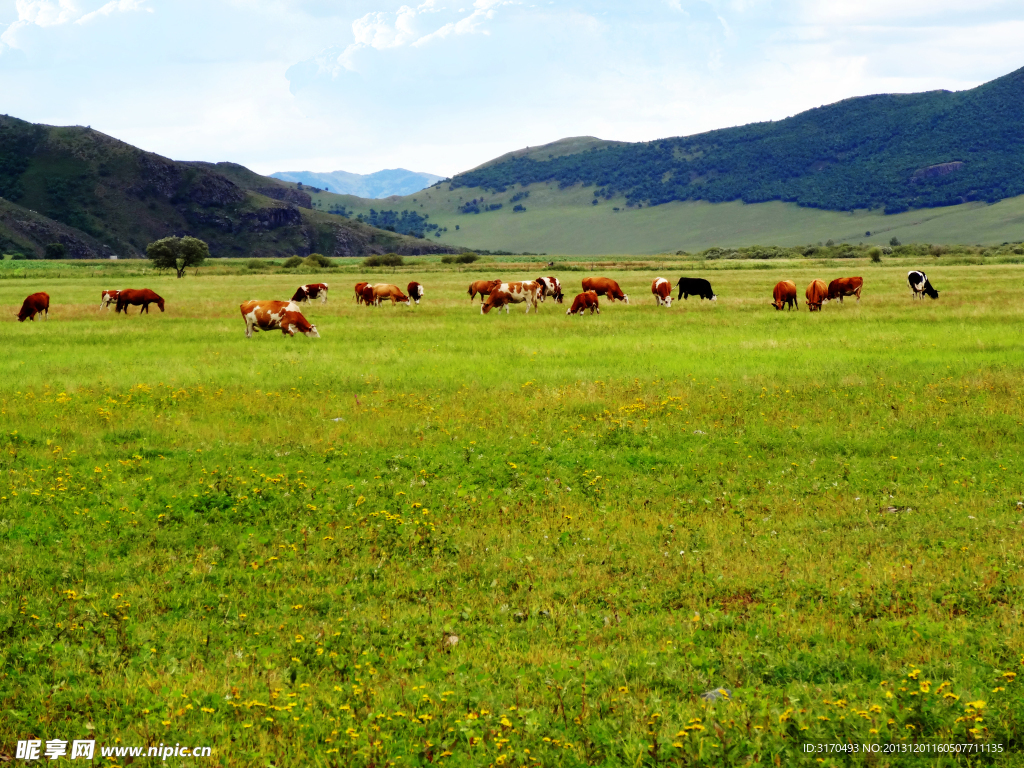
54, 13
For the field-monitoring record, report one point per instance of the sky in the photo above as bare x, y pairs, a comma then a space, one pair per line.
439, 86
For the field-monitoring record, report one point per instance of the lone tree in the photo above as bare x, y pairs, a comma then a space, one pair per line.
177, 253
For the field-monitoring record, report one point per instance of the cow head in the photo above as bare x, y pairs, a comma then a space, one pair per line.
777, 304
625, 298
312, 332
714, 297
930, 292
160, 303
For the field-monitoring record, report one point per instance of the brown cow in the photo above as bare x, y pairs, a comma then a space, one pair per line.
107, 298
817, 294
605, 286
662, 290
584, 301
359, 292
306, 292
384, 291
496, 299
482, 287
365, 296
785, 295
36, 304
519, 293
271, 315
845, 286
143, 296
415, 291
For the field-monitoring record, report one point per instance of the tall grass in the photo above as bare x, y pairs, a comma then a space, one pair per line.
435, 536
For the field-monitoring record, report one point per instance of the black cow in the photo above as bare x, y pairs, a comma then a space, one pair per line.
695, 286
919, 285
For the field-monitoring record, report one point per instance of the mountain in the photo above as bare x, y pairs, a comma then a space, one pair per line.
98, 196
895, 152
372, 185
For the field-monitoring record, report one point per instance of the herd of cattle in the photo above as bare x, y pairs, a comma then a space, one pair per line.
494, 294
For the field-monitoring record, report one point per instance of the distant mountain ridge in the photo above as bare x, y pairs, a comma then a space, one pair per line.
895, 152
94, 196
396, 181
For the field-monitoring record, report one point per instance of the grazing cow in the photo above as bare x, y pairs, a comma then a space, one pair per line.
662, 290
107, 298
415, 291
605, 286
384, 291
496, 299
518, 293
817, 294
919, 285
143, 296
482, 287
36, 304
549, 286
583, 302
845, 286
695, 286
306, 292
270, 315
785, 295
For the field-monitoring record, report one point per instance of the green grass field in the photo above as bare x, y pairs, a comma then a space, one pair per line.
564, 221
436, 537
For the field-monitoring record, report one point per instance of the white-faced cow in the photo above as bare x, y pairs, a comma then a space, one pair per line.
919, 286
107, 298
605, 286
695, 286
518, 293
549, 286
583, 302
306, 292
662, 290
415, 291
273, 315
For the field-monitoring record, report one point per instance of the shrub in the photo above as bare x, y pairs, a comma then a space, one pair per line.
256, 264
384, 260
448, 259
830, 242
18, 257
876, 255
317, 260
936, 250
894, 242
56, 251
467, 258
293, 262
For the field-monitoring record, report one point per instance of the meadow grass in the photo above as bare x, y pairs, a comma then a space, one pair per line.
435, 536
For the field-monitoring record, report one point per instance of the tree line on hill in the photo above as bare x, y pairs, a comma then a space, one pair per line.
891, 152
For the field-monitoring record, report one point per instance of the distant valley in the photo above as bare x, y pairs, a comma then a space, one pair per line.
397, 181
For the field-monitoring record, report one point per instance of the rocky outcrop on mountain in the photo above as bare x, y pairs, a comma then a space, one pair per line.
287, 195
27, 232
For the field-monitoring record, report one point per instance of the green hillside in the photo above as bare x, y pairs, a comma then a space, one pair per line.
893, 151
563, 221
98, 196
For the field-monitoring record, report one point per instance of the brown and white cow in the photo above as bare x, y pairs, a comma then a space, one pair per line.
132, 297
482, 287
549, 286
817, 294
107, 298
36, 304
366, 296
415, 291
519, 293
271, 315
359, 292
785, 295
845, 286
662, 290
583, 302
384, 291
314, 290
605, 286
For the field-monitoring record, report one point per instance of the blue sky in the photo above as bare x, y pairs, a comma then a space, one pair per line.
441, 86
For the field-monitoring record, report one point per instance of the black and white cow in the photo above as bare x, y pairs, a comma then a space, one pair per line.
695, 286
919, 285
